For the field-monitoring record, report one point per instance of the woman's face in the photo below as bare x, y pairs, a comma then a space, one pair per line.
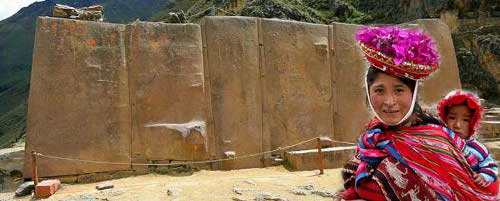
390, 97
458, 120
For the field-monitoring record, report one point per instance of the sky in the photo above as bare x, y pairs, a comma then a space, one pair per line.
10, 7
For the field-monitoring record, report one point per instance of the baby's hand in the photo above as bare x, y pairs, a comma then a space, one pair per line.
479, 180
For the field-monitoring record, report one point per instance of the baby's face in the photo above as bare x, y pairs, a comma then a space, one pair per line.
458, 120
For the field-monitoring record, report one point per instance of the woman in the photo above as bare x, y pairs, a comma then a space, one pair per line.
403, 153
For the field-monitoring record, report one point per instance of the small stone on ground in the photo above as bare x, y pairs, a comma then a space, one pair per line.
237, 190
103, 186
174, 191
25, 188
325, 194
248, 181
298, 192
307, 187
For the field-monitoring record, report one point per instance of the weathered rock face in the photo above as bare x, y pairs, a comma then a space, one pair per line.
149, 92
165, 65
477, 43
91, 13
177, 17
79, 97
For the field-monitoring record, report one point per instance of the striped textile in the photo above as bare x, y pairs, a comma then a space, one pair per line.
438, 157
486, 166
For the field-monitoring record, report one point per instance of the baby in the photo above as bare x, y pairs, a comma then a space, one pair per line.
462, 112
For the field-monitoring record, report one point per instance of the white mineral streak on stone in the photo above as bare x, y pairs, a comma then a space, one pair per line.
185, 129
325, 138
230, 154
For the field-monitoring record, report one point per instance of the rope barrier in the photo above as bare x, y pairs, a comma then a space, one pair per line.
186, 163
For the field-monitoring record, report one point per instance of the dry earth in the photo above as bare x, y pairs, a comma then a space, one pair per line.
205, 185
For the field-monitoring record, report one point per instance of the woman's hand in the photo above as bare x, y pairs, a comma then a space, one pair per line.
479, 180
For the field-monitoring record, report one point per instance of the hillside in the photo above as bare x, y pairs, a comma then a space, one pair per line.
16, 46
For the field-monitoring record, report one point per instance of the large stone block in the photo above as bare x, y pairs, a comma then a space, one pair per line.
350, 106
232, 63
296, 84
78, 102
165, 65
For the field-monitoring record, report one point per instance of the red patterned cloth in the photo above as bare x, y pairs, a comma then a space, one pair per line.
412, 162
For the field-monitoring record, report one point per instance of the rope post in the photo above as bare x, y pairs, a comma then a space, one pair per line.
320, 156
34, 167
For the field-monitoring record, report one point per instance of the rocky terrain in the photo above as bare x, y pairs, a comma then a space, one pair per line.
273, 183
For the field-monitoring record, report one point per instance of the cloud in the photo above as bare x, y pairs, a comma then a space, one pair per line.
10, 7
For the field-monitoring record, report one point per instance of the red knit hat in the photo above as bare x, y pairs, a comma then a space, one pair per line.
458, 97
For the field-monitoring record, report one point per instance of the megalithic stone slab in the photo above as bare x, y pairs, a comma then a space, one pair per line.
165, 64
232, 59
297, 96
78, 102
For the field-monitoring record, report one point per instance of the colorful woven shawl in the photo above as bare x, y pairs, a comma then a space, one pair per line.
434, 153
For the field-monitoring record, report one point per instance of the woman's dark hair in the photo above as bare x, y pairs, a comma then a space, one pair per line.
374, 72
426, 118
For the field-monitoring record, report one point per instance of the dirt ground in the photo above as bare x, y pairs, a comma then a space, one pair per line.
206, 185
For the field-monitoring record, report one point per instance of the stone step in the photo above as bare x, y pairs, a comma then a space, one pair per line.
488, 117
333, 157
489, 130
491, 114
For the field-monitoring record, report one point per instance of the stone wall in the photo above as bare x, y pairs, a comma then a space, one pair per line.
155, 92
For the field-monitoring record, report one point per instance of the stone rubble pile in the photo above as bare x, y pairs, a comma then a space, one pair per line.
91, 13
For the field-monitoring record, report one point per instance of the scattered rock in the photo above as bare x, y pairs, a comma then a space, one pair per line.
266, 196
237, 190
177, 17
103, 186
174, 191
307, 187
25, 188
11, 162
91, 13
325, 194
116, 193
298, 192
238, 199
248, 181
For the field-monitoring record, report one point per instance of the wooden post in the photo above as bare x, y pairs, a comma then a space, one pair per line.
34, 167
320, 156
